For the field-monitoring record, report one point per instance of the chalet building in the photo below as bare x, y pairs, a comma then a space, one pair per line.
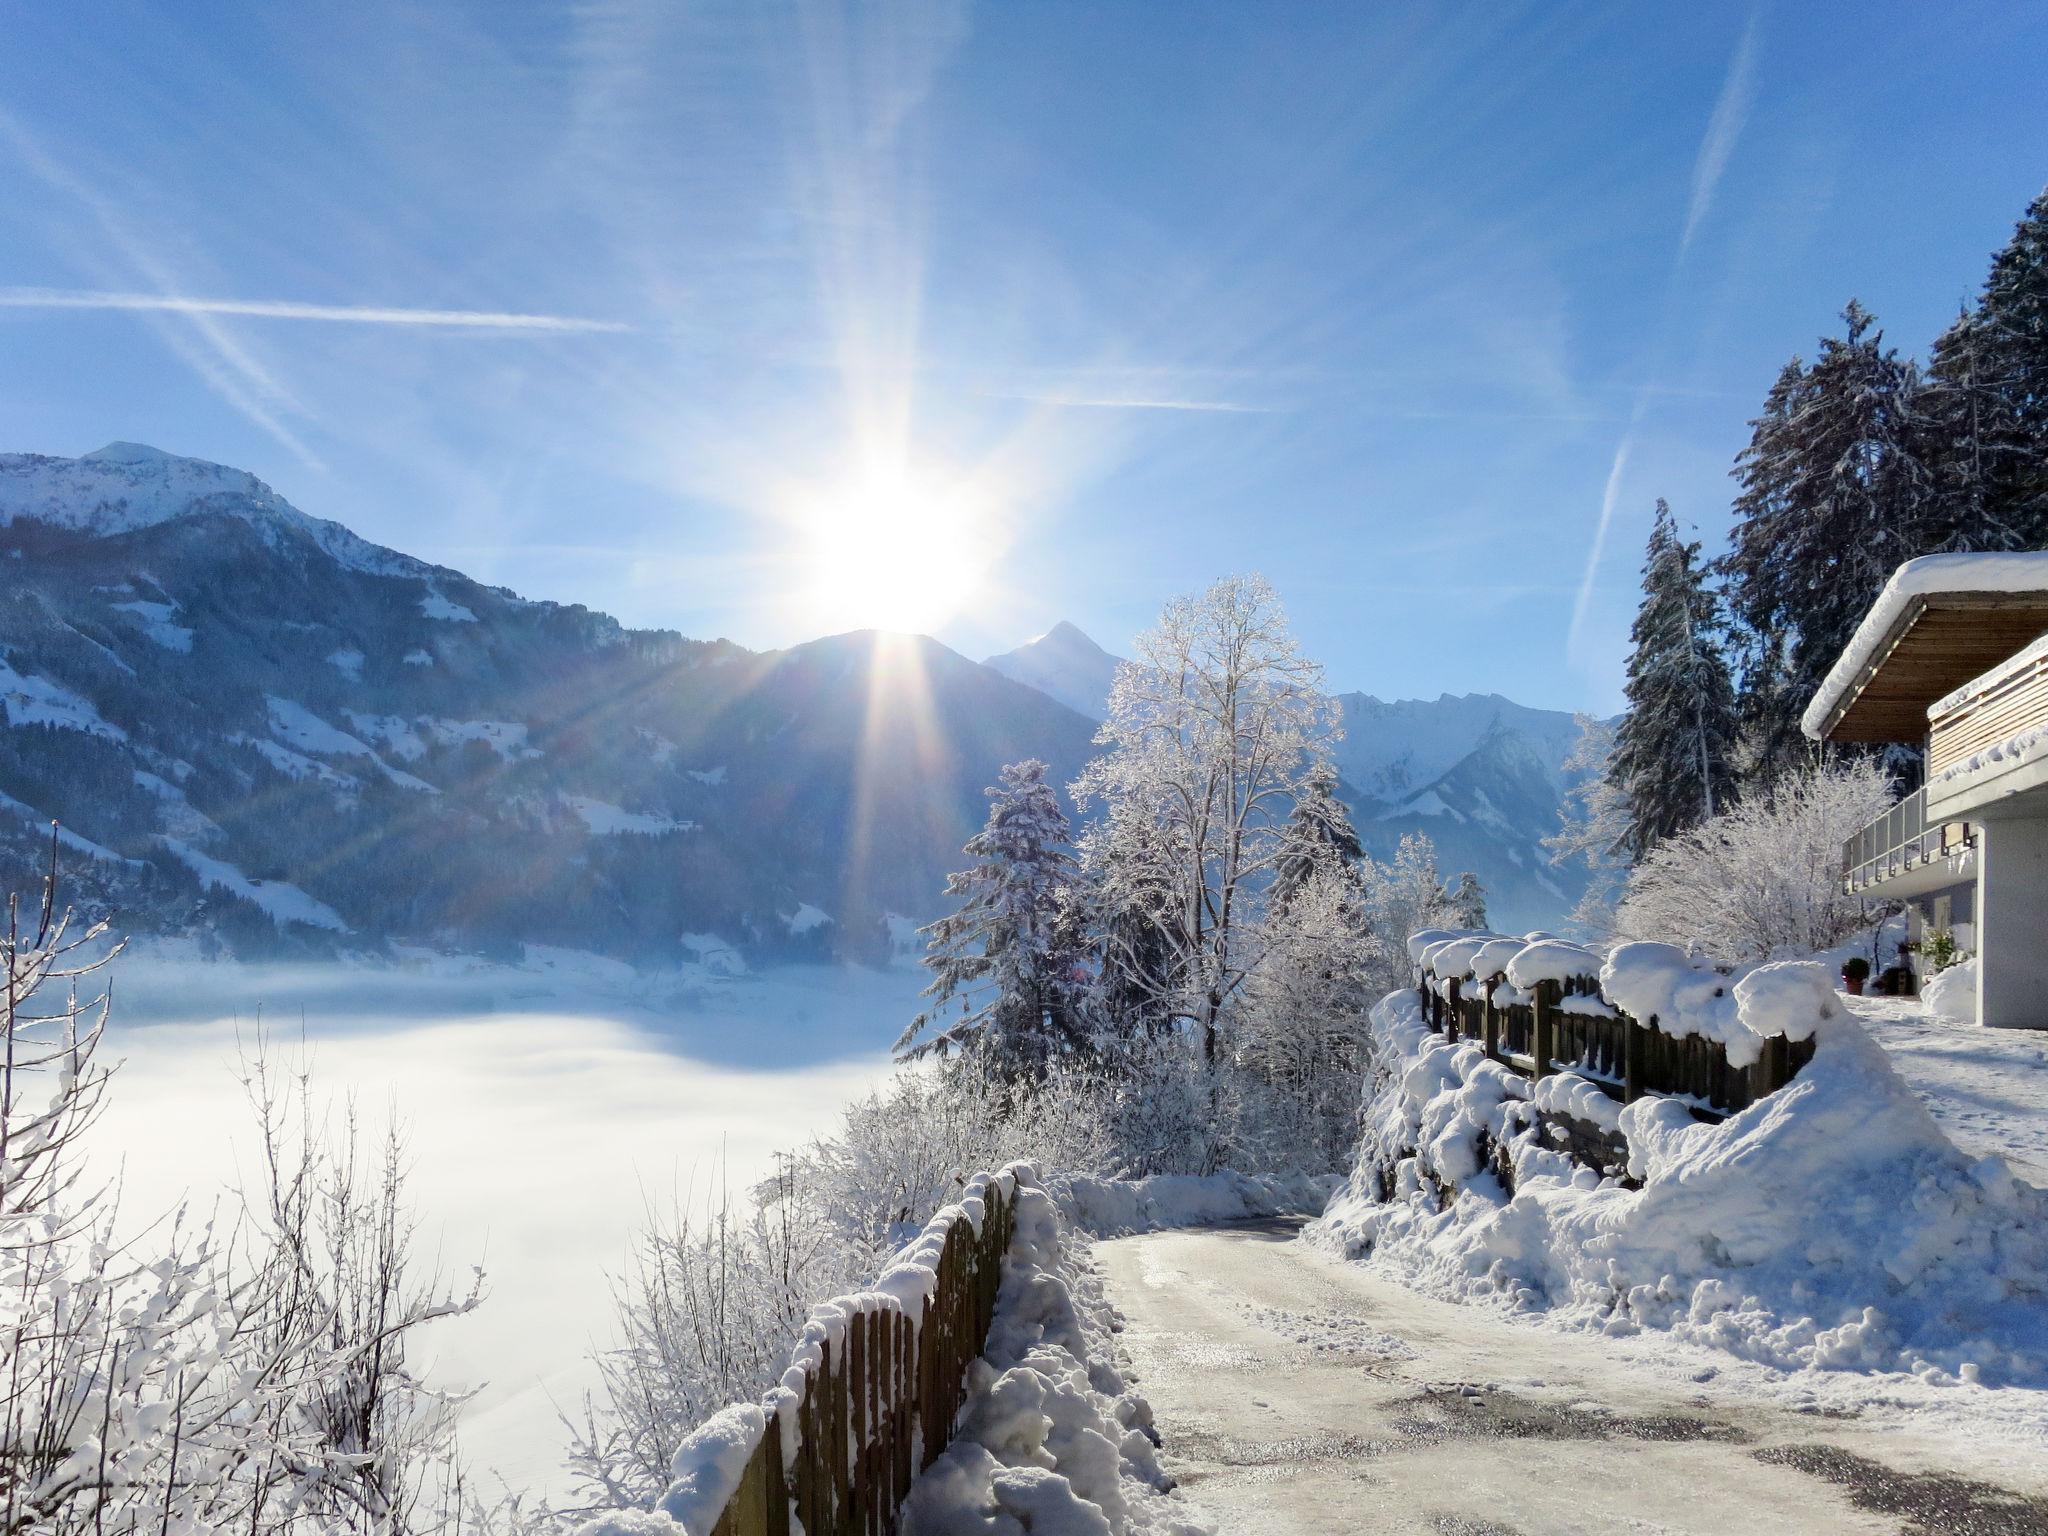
1954, 658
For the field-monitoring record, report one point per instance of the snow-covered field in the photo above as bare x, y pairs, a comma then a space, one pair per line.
547, 1105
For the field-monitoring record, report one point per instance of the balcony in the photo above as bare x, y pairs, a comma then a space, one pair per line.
1988, 740
1904, 854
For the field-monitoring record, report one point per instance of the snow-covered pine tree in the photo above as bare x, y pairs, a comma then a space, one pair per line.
1834, 498
1971, 443
1319, 835
2012, 326
1002, 981
1465, 900
1672, 758
1592, 826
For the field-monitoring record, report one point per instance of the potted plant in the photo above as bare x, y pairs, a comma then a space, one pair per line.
1855, 971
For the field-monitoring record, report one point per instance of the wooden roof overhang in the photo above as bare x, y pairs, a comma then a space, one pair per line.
1941, 641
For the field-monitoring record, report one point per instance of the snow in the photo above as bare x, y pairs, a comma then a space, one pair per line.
707, 775
805, 918
2021, 747
1120, 1207
607, 820
32, 700
125, 487
507, 738
1986, 1088
2022, 571
418, 658
708, 1466
435, 606
1551, 960
301, 728
65, 835
392, 732
281, 902
1831, 1226
156, 623
299, 767
1649, 981
1951, 995
348, 661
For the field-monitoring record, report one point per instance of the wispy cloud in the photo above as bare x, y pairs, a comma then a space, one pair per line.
287, 309
1132, 403
1731, 113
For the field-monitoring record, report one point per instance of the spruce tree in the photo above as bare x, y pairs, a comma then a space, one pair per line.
1465, 901
1834, 498
1319, 835
1672, 763
1972, 443
1003, 974
2012, 325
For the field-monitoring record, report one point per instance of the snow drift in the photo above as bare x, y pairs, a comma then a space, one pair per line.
1830, 1225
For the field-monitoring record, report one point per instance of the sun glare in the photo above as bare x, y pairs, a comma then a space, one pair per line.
895, 548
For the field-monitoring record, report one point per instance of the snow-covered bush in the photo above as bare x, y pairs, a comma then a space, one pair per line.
250, 1375
1764, 879
1830, 1225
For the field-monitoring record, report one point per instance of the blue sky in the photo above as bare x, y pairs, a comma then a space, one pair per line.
1414, 309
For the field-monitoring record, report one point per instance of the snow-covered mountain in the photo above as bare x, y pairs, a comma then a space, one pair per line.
1066, 664
1482, 775
256, 727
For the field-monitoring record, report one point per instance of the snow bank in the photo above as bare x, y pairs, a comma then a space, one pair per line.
1051, 1439
1951, 994
1119, 1207
2021, 571
1551, 960
1829, 1226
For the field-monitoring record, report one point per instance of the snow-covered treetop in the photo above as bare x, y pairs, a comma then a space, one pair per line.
127, 486
2009, 571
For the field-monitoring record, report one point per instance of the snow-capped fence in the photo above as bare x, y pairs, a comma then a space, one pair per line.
1537, 1007
869, 1397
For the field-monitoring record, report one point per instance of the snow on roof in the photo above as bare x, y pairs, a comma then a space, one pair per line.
2013, 571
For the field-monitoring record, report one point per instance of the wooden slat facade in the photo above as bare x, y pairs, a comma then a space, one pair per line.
2013, 699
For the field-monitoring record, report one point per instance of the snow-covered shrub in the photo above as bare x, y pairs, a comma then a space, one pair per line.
1765, 879
250, 1376
1830, 1225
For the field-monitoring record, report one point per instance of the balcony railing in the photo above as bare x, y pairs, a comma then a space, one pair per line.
1900, 841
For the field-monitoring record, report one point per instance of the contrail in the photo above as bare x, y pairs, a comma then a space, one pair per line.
1731, 113
285, 309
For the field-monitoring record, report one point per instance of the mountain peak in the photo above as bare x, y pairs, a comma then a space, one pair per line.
126, 453
1064, 663
125, 487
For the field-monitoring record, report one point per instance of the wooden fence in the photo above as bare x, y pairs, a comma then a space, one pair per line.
878, 1396
1569, 1027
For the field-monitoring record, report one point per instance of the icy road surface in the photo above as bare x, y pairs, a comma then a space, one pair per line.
1296, 1393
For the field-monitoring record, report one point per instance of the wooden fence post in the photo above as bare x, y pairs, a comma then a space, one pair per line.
1451, 1015
1632, 1059
1546, 1026
1489, 1019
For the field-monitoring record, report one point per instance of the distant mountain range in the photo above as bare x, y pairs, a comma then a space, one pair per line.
1482, 775
260, 730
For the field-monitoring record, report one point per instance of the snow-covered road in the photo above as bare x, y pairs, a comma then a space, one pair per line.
1296, 1393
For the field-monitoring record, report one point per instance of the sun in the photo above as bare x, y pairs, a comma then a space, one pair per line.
896, 546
